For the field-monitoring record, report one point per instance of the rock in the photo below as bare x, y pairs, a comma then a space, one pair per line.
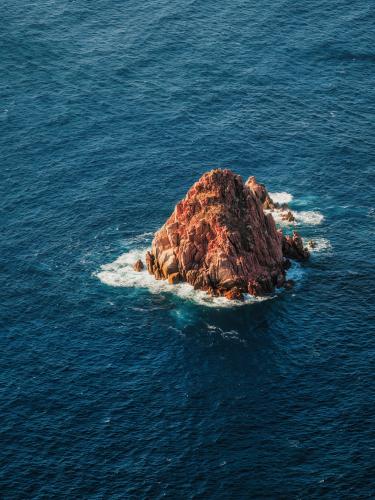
293, 247
234, 294
254, 288
174, 278
311, 244
288, 216
289, 284
287, 264
138, 266
280, 281
157, 274
150, 262
219, 239
261, 193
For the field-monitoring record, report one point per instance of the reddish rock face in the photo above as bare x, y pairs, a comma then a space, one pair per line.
219, 239
138, 266
293, 247
261, 193
234, 294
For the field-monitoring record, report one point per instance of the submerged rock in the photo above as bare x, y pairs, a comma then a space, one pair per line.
311, 244
289, 284
219, 239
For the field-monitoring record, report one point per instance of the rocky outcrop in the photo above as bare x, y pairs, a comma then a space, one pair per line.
261, 193
220, 239
267, 202
293, 247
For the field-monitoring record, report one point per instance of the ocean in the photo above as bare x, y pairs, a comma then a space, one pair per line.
113, 385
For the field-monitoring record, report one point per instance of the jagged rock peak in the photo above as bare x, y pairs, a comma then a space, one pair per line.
219, 239
261, 193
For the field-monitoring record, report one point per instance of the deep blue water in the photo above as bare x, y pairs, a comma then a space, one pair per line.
109, 111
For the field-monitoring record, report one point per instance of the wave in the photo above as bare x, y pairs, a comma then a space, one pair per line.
307, 217
120, 273
282, 197
295, 273
321, 245
310, 218
228, 335
304, 218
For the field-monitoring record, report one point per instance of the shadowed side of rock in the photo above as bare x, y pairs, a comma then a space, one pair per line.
261, 193
293, 247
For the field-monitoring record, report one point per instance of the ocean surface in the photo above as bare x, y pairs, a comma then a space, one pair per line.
113, 385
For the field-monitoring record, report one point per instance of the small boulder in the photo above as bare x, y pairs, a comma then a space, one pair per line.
174, 278
234, 294
288, 216
289, 284
138, 266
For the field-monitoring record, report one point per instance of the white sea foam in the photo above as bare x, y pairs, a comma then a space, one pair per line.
305, 218
277, 216
282, 197
309, 218
120, 273
321, 245
295, 272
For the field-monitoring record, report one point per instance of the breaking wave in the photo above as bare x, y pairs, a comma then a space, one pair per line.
282, 197
309, 218
304, 218
321, 245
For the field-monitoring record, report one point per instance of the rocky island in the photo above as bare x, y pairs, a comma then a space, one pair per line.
222, 239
